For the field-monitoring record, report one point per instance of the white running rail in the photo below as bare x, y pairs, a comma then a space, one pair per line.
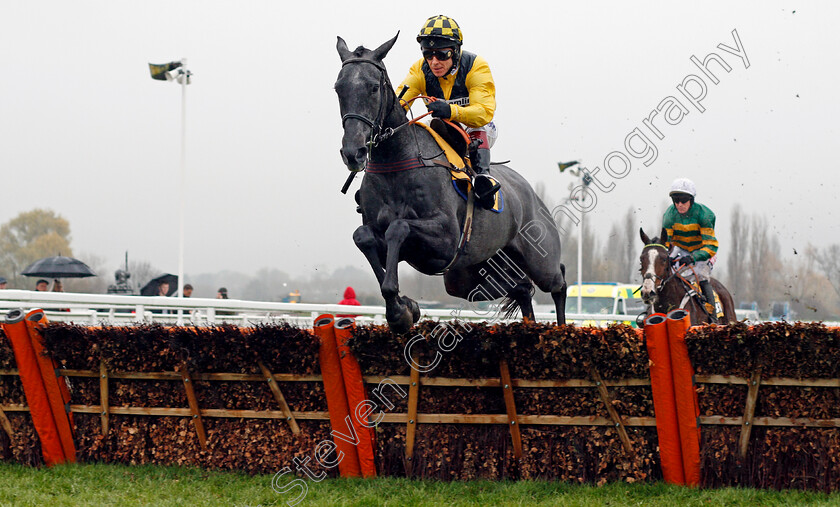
109, 309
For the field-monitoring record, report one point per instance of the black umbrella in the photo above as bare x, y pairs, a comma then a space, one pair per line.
153, 287
58, 267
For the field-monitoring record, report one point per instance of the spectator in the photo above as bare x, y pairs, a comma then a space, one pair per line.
349, 299
222, 294
59, 287
163, 290
188, 290
41, 285
3, 283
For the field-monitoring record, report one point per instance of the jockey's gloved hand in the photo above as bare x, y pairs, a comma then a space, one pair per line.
440, 109
685, 260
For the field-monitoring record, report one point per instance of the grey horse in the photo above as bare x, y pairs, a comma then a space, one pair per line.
411, 212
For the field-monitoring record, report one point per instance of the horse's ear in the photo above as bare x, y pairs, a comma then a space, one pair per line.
645, 238
343, 52
380, 52
663, 236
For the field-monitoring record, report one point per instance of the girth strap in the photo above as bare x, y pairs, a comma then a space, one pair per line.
393, 167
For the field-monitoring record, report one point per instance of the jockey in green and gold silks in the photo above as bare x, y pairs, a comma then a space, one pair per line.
694, 232
464, 86
690, 235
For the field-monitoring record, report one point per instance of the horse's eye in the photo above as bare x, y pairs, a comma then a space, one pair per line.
374, 89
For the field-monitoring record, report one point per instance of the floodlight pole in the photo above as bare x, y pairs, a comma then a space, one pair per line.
181, 207
184, 77
580, 250
583, 183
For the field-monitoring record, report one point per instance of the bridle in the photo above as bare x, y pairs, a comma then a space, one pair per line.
658, 282
378, 134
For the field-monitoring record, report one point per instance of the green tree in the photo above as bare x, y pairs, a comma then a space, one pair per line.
28, 237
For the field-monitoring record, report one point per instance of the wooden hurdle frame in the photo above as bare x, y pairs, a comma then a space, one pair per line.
412, 418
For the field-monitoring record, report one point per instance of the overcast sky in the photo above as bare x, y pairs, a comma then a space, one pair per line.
86, 132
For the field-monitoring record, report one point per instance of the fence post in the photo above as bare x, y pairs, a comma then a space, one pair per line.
411, 422
103, 396
605, 398
278, 396
196, 411
510, 406
749, 412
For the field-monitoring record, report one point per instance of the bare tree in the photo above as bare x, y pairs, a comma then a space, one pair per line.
809, 291
765, 265
632, 245
91, 285
735, 264
828, 259
141, 273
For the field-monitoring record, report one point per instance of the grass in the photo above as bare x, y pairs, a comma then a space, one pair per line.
98, 484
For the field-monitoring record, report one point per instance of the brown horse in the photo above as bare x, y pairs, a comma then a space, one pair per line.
664, 290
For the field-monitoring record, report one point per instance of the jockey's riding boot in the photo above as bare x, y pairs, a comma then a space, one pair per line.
485, 188
709, 295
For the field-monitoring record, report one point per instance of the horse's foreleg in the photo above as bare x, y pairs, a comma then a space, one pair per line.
366, 241
403, 312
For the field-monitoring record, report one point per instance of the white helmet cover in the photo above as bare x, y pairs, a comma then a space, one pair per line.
683, 186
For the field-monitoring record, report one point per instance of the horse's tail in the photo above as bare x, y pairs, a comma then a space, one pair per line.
510, 305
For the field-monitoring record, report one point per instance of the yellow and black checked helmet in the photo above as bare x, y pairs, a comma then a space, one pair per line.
440, 30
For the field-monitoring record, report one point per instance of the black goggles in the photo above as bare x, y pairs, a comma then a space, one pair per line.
441, 54
681, 199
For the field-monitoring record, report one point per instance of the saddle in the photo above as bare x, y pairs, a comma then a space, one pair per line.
455, 144
694, 291
454, 135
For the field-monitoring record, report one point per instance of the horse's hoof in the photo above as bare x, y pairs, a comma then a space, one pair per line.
402, 324
413, 307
